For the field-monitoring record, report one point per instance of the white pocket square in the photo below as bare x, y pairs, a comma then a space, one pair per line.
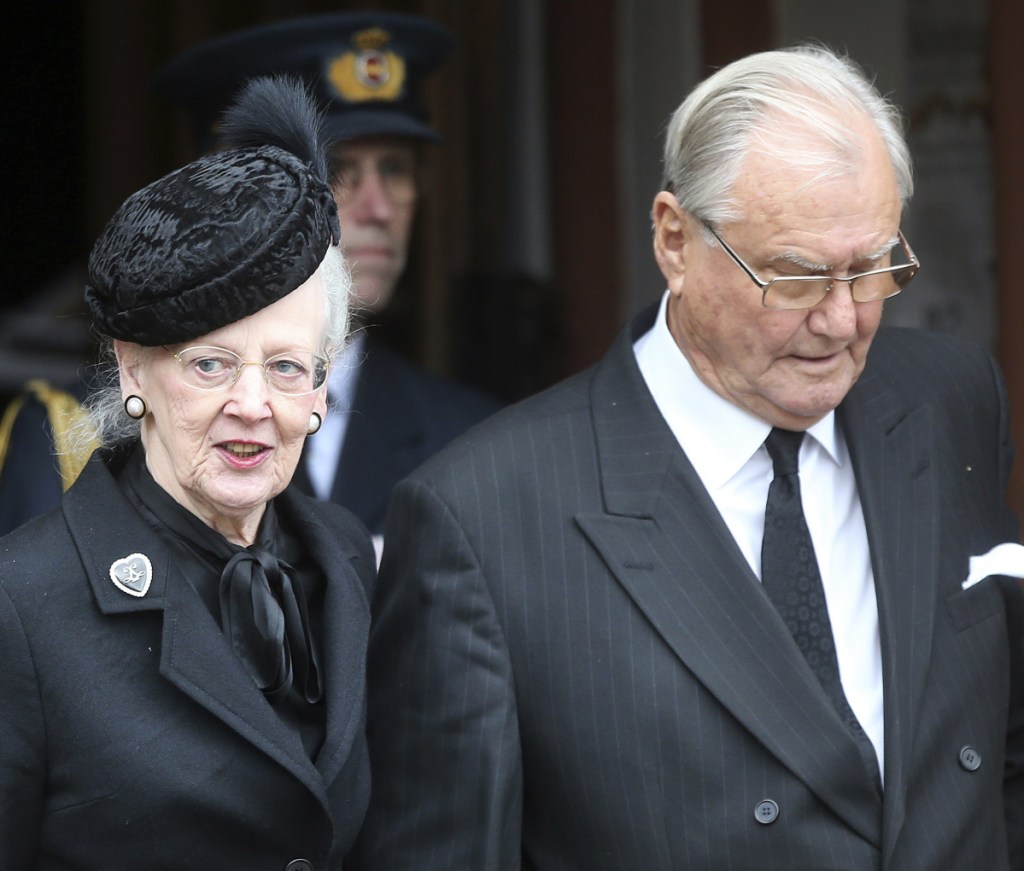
1003, 559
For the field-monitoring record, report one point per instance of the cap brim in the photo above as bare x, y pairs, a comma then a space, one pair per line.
343, 126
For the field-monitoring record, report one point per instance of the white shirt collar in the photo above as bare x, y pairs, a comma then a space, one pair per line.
718, 437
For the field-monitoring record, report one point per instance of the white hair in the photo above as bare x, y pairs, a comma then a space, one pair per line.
755, 102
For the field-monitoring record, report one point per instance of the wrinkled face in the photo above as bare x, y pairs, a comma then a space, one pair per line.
374, 212
789, 368
224, 453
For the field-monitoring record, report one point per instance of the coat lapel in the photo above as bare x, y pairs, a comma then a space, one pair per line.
230, 693
196, 657
892, 448
346, 630
120, 534
665, 542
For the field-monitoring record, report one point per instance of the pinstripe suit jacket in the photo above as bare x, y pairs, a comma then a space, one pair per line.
573, 667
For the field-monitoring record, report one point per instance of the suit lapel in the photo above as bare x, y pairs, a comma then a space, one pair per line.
892, 447
665, 542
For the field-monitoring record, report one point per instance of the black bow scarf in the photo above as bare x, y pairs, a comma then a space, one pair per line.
263, 608
264, 614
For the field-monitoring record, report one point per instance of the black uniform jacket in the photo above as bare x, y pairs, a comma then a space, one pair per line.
131, 735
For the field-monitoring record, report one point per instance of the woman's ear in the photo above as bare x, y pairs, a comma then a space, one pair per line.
670, 235
128, 356
320, 403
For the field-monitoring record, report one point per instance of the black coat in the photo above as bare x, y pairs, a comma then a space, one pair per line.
131, 735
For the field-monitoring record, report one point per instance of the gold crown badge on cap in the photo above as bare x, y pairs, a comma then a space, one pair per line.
369, 73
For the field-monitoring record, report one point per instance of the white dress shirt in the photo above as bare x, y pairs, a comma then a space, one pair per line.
725, 445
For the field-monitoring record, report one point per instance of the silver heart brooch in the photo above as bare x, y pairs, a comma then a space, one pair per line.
132, 574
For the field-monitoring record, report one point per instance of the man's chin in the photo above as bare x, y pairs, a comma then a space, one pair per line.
371, 297
807, 411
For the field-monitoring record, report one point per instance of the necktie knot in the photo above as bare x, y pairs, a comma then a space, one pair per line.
784, 449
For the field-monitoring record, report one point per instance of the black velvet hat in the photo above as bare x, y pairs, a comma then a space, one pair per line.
224, 236
364, 68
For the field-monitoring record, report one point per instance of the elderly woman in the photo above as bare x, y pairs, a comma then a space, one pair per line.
182, 643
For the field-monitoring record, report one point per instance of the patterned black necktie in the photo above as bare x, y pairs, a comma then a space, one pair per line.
790, 575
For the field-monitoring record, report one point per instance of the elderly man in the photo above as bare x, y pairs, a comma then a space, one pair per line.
706, 605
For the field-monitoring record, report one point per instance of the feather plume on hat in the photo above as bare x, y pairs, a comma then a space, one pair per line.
224, 236
276, 110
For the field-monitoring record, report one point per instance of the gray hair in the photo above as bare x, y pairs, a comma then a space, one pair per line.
107, 425
748, 101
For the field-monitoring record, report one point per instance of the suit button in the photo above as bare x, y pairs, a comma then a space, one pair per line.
299, 865
766, 811
970, 758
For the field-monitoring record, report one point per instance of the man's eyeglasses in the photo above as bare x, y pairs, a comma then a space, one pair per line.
396, 174
295, 373
806, 291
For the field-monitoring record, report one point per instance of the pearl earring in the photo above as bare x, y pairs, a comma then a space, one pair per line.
135, 407
315, 422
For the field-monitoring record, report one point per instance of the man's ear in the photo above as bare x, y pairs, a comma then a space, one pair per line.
670, 235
